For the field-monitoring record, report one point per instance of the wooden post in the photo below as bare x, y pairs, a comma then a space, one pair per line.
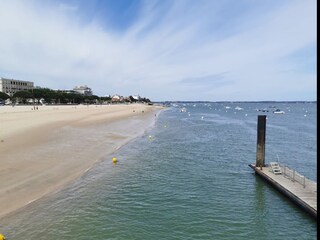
261, 138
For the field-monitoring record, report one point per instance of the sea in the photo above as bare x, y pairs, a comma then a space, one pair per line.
186, 178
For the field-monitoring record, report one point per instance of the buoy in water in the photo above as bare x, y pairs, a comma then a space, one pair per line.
2, 237
114, 160
150, 137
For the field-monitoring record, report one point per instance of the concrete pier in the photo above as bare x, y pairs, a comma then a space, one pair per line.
303, 193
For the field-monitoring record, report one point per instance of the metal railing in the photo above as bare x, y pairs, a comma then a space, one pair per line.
293, 175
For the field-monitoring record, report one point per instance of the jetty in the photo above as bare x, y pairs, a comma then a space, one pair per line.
299, 189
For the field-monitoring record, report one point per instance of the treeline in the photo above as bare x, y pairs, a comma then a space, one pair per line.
49, 96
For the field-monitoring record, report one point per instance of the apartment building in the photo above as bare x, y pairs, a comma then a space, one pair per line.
11, 86
83, 90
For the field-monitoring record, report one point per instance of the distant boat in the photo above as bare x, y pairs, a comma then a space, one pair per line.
278, 111
183, 109
238, 108
263, 110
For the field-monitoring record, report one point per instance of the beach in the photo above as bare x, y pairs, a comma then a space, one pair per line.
43, 149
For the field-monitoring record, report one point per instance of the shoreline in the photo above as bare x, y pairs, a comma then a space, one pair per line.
44, 150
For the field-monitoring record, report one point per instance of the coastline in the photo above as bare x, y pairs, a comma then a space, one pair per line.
44, 150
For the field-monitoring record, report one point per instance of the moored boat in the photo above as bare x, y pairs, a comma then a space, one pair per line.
278, 111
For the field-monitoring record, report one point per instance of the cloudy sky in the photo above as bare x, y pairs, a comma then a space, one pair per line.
208, 50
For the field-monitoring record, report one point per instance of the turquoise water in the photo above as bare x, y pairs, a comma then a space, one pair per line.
191, 180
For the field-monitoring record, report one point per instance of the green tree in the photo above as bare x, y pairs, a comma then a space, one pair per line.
38, 93
22, 96
132, 99
4, 96
50, 96
91, 99
47, 94
75, 98
146, 100
105, 99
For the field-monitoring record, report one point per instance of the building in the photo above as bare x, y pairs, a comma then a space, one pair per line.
116, 98
83, 90
11, 86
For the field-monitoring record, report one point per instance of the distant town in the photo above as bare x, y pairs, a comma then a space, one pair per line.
14, 91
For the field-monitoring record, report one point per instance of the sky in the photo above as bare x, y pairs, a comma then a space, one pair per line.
166, 50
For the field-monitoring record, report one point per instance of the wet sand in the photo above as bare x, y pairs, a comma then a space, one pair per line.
43, 150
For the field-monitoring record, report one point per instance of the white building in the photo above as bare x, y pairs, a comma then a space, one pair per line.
11, 86
116, 98
83, 90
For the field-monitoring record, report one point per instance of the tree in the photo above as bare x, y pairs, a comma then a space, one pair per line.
4, 96
132, 99
146, 100
22, 96
91, 99
106, 99
47, 94
75, 97
38, 93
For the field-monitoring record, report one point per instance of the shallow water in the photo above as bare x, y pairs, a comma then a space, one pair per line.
189, 180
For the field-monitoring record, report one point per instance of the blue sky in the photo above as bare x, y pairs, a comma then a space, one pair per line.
204, 50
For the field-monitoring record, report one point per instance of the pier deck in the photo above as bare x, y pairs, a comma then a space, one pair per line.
303, 194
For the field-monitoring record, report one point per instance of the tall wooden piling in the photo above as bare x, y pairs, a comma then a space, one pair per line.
261, 139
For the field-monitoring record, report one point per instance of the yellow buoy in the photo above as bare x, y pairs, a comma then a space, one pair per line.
2, 237
114, 160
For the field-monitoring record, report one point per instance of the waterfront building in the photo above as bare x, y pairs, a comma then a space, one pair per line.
11, 86
116, 98
83, 90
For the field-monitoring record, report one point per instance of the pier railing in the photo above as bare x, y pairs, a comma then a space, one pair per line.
294, 175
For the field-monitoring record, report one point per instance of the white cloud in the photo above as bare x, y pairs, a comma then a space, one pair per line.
167, 44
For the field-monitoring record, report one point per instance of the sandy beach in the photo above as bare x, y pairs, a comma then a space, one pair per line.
42, 150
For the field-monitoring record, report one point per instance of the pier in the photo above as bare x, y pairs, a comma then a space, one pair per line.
299, 189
